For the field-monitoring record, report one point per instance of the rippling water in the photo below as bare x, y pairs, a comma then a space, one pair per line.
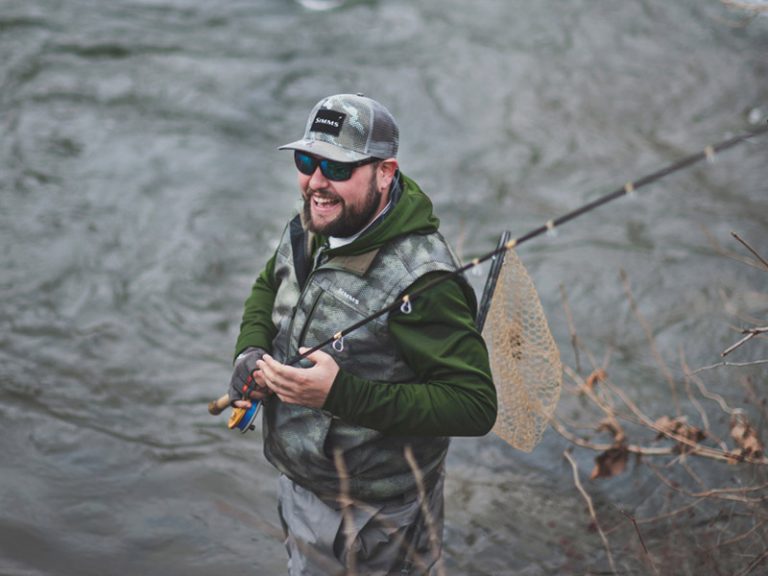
141, 192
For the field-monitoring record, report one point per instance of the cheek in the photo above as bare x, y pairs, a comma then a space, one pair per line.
303, 181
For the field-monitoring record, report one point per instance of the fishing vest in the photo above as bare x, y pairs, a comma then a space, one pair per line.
300, 441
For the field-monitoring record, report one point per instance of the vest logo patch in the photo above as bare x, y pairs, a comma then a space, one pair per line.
328, 122
347, 296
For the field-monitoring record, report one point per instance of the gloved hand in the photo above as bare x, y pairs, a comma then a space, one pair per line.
243, 380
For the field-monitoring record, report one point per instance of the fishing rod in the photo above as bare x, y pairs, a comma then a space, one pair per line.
404, 302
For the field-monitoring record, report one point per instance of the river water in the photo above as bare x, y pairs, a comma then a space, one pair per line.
141, 192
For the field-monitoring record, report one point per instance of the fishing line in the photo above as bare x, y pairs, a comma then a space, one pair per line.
404, 303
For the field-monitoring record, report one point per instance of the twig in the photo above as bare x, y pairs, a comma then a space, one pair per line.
744, 490
712, 395
732, 364
754, 564
726, 525
587, 390
752, 396
750, 333
730, 253
592, 514
678, 511
762, 260
696, 448
642, 542
346, 511
571, 326
651, 341
732, 310
434, 541
696, 478
694, 400
632, 448
728, 494
688, 377
746, 534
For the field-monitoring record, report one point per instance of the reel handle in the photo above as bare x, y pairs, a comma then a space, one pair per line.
216, 407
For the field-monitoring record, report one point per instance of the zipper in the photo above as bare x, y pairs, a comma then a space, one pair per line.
310, 313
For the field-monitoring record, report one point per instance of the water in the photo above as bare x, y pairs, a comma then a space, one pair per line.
141, 192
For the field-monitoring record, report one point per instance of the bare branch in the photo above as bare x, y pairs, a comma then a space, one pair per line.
754, 564
693, 399
732, 364
651, 341
746, 534
571, 326
346, 510
750, 333
642, 542
592, 514
730, 494
695, 402
717, 247
558, 427
762, 260
434, 541
666, 516
696, 447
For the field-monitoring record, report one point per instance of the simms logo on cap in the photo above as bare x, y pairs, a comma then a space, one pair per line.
328, 121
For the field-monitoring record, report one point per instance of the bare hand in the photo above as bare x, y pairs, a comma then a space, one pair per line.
304, 386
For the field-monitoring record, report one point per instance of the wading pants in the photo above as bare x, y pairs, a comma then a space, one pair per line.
389, 538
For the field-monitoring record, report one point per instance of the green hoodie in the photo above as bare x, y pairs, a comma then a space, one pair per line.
454, 394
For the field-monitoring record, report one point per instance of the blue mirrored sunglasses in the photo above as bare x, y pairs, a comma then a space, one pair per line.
331, 169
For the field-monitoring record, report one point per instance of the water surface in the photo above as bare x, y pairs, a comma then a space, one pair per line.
141, 192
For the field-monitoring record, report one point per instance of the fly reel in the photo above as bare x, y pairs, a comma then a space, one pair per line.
242, 418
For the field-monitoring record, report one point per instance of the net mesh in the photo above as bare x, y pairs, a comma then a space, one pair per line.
525, 360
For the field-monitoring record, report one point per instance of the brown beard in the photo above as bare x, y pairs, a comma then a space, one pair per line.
351, 220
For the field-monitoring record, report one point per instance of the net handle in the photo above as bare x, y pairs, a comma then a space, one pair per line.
491, 280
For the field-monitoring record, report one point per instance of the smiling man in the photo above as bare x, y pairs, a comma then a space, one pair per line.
409, 380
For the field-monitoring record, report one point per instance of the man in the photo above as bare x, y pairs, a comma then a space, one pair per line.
338, 427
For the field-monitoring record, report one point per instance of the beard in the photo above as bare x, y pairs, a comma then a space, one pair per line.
351, 220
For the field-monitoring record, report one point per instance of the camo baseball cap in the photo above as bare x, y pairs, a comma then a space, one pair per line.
348, 128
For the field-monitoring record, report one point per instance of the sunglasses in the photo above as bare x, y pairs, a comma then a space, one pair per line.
331, 169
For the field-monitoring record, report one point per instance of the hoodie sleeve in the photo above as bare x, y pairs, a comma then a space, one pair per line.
453, 394
256, 328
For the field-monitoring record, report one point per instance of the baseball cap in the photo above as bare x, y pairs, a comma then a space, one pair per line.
348, 128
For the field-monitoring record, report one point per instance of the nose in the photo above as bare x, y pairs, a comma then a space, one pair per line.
317, 181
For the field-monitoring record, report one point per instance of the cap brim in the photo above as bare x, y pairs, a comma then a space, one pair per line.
325, 150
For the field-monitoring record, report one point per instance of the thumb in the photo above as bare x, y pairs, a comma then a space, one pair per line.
316, 356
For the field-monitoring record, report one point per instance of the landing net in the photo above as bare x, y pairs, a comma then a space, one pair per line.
525, 361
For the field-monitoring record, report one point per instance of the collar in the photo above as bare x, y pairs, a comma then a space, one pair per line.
395, 191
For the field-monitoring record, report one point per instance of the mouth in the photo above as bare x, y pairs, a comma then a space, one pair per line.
323, 204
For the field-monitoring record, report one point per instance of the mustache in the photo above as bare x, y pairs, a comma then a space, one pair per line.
309, 193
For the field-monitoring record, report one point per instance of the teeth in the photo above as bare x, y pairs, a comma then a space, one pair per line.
323, 201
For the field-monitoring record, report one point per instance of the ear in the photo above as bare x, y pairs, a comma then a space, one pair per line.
385, 172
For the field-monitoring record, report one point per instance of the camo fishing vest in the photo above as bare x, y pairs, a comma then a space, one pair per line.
299, 441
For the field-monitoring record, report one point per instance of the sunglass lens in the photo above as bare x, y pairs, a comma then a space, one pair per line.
305, 163
336, 170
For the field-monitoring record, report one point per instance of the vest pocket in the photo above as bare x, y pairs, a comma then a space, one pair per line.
331, 314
